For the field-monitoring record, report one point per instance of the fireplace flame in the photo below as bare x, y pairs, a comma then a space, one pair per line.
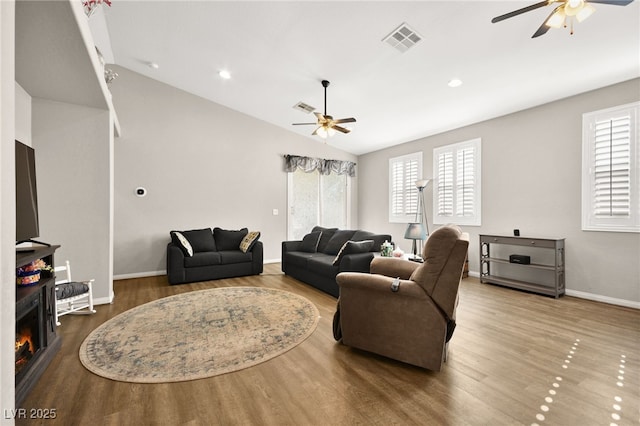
25, 337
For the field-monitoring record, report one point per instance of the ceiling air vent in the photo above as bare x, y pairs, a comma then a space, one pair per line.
403, 38
301, 106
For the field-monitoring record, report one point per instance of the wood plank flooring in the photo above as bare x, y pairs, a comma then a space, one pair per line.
515, 359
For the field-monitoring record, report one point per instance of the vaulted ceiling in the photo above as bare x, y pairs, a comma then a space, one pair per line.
278, 52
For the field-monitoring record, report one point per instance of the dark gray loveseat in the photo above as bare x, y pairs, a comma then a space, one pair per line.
325, 252
210, 255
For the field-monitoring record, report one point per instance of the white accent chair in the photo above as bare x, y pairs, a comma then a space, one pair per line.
72, 297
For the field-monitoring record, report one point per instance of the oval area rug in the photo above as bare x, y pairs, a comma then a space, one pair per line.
198, 334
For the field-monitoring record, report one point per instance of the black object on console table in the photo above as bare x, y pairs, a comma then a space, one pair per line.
549, 273
38, 301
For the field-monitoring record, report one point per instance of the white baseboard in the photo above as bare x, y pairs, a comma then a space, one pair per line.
271, 261
589, 296
104, 300
139, 275
603, 299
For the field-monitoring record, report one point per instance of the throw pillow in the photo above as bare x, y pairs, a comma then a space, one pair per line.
179, 240
337, 241
310, 242
351, 247
229, 239
201, 240
327, 233
249, 241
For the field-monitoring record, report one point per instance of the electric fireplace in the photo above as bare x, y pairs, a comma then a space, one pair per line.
29, 332
36, 341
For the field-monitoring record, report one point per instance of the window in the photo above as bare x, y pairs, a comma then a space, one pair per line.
457, 186
404, 171
610, 170
316, 199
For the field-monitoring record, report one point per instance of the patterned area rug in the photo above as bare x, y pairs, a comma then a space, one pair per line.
198, 334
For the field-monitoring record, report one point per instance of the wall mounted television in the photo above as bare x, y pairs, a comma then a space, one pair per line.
27, 224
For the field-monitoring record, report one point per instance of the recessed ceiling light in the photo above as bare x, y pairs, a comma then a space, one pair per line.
455, 82
153, 65
224, 74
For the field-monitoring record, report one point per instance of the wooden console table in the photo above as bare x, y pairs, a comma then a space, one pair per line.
549, 274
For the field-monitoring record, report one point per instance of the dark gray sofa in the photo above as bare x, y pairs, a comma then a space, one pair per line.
214, 254
315, 259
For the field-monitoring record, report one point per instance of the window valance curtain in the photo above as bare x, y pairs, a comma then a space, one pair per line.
324, 167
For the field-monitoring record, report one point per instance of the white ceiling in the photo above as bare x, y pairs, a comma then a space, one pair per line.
278, 52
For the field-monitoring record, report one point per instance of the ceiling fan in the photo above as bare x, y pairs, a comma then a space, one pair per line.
580, 9
327, 126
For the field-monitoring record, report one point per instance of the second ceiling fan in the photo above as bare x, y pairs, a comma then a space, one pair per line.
327, 126
580, 9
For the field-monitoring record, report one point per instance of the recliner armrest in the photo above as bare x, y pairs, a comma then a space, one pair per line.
376, 284
393, 267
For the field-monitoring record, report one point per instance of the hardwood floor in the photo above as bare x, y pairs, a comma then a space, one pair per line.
515, 358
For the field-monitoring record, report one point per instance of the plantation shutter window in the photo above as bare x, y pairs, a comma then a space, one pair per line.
457, 189
610, 170
445, 184
465, 182
404, 171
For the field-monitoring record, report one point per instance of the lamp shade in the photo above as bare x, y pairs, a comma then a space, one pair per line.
415, 231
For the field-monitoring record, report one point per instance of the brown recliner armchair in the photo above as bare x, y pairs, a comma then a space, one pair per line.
414, 323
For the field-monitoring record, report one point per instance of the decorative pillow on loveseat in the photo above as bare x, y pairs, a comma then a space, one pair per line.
351, 247
249, 241
181, 241
229, 239
194, 241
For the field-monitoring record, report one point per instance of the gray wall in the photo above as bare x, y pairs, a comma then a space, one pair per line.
531, 180
73, 160
8, 211
203, 165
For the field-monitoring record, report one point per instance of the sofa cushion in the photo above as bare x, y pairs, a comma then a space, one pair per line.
337, 241
234, 256
300, 258
351, 247
323, 265
181, 242
249, 241
204, 258
310, 242
327, 233
200, 239
378, 239
229, 239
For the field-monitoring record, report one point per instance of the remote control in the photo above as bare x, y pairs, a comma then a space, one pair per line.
395, 285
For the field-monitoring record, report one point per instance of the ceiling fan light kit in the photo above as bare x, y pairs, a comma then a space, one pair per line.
327, 126
568, 9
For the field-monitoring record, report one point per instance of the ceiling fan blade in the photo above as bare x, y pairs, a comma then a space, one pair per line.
521, 11
542, 30
611, 2
340, 129
544, 27
304, 124
345, 120
315, 132
320, 116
